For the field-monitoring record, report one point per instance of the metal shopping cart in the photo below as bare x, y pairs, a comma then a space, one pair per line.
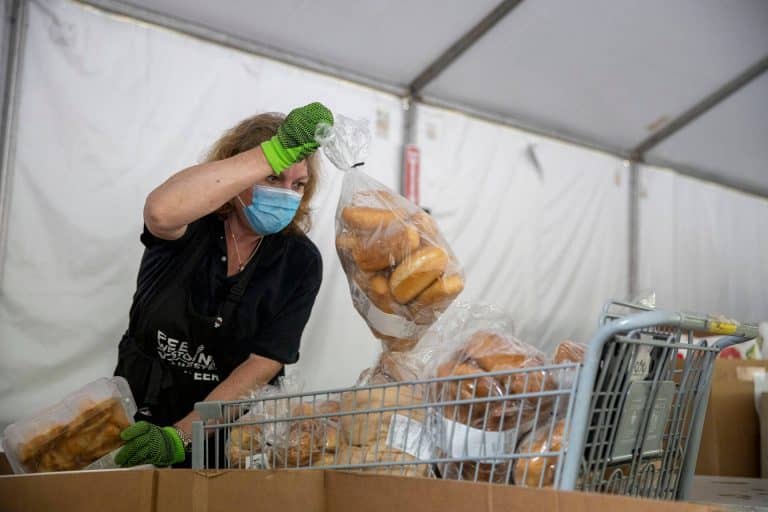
627, 420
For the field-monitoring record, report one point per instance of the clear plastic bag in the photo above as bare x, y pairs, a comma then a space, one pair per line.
401, 272
314, 441
482, 417
569, 352
537, 470
73, 433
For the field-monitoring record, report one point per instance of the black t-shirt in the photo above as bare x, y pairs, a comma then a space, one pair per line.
277, 302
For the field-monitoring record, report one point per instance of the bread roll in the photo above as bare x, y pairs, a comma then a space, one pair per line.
539, 471
495, 473
308, 442
569, 352
417, 272
387, 457
376, 288
372, 427
444, 288
345, 242
366, 218
427, 226
435, 299
385, 247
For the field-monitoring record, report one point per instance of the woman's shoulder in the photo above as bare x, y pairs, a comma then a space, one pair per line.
298, 245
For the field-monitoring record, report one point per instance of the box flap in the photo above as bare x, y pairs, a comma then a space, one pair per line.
231, 490
730, 442
356, 492
85, 491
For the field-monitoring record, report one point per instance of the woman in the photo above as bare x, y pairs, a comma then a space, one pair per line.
227, 280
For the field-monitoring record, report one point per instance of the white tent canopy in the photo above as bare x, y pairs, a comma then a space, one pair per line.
598, 72
525, 113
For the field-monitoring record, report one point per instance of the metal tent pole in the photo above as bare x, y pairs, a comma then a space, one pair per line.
17, 21
433, 70
634, 228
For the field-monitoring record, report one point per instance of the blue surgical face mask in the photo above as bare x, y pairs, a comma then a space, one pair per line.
271, 209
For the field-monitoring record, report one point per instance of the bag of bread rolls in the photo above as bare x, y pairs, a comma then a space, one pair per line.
401, 271
537, 470
568, 352
387, 460
478, 413
312, 437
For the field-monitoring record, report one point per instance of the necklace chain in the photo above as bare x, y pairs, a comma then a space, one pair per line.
240, 263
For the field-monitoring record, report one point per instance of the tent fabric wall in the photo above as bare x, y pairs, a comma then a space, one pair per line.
108, 109
541, 226
702, 247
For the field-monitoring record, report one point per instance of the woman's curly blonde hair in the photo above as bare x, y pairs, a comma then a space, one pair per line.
250, 133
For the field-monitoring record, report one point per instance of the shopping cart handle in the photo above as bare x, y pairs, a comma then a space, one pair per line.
729, 341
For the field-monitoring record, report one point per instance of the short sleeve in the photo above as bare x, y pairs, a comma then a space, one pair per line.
280, 338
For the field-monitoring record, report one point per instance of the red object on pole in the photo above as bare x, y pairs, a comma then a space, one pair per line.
412, 173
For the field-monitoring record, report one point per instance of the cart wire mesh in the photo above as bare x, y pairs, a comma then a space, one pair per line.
627, 420
450, 427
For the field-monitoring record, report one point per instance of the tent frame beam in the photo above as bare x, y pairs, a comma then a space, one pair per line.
13, 47
201, 32
464, 43
637, 154
699, 109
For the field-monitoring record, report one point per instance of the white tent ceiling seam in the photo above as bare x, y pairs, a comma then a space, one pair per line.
423, 78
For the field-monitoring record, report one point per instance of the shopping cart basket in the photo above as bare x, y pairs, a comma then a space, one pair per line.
627, 420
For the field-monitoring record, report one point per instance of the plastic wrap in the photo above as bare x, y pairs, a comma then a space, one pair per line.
75, 432
401, 271
392, 367
315, 441
569, 352
477, 340
383, 455
249, 440
539, 470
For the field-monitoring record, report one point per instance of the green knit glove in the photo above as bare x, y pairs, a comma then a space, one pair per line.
295, 139
149, 444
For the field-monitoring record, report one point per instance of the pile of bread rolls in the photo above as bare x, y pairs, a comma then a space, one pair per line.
402, 273
484, 352
537, 470
368, 432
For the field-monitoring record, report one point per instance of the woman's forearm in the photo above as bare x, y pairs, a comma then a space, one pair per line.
201, 189
253, 373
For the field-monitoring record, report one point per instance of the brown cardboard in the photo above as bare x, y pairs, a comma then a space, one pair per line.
356, 492
229, 491
5, 466
764, 435
110, 491
744, 493
291, 491
730, 441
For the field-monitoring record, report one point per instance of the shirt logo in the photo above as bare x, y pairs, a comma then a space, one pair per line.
176, 352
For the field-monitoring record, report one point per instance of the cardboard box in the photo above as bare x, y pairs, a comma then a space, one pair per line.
291, 491
736, 492
763, 435
730, 442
